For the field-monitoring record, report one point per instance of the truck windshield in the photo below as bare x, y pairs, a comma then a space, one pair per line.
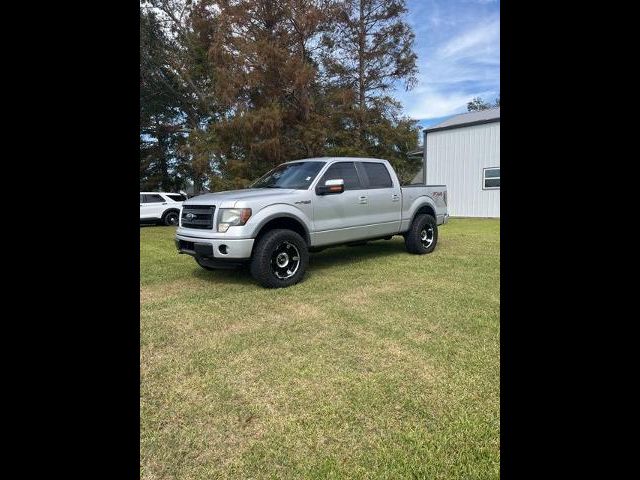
297, 175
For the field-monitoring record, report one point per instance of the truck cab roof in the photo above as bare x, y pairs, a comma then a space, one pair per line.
342, 159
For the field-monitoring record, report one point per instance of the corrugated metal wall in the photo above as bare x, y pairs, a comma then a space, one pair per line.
456, 158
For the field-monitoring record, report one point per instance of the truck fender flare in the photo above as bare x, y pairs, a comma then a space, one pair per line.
282, 210
422, 201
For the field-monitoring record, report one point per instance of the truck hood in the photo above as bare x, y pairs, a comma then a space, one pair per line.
238, 195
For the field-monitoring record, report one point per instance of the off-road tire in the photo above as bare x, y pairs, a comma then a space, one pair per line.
271, 256
414, 239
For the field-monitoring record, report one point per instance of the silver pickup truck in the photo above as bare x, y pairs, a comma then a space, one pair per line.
304, 206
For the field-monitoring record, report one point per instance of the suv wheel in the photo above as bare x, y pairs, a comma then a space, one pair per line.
422, 236
279, 259
170, 218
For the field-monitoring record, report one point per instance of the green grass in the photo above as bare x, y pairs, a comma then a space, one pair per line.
380, 364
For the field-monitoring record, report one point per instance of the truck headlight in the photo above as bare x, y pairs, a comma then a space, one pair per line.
231, 217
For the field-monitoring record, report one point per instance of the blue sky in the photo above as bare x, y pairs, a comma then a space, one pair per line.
458, 48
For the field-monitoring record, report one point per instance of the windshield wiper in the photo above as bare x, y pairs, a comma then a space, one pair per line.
271, 186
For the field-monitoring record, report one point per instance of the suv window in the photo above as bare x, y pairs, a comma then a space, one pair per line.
346, 171
177, 198
377, 175
152, 198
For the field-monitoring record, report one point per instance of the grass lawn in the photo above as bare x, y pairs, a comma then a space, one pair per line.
380, 364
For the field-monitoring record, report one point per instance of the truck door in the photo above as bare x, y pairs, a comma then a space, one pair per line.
341, 217
384, 210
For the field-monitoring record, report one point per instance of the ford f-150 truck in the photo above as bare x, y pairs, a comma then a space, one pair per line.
307, 205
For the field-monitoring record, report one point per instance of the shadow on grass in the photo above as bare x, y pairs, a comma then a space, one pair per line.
345, 255
318, 262
238, 276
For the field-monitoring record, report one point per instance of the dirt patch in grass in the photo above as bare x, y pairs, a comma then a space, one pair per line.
364, 295
165, 291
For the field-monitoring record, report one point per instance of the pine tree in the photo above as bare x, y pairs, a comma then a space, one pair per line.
158, 117
367, 51
184, 31
231, 88
264, 62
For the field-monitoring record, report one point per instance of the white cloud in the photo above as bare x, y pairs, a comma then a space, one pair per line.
437, 105
431, 104
458, 49
482, 40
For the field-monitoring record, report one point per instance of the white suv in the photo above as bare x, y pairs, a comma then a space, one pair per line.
160, 207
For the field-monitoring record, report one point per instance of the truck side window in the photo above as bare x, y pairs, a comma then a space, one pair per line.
346, 171
377, 174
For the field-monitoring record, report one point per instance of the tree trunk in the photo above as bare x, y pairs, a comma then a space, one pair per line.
361, 90
165, 181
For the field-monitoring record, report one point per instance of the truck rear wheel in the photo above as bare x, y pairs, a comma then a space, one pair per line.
422, 236
280, 258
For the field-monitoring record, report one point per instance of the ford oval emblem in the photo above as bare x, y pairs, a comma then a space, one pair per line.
190, 216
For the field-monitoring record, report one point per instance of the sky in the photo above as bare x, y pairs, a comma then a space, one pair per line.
458, 48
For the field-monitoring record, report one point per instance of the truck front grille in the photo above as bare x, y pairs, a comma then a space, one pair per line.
198, 216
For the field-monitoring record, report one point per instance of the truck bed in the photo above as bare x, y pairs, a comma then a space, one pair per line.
437, 193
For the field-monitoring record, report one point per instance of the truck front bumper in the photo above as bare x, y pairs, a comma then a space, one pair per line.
215, 248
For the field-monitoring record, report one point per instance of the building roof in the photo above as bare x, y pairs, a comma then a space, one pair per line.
467, 119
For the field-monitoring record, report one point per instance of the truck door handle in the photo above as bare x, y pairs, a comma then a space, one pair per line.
362, 198
164, 203
395, 197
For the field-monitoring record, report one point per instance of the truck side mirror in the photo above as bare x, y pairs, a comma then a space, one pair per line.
331, 187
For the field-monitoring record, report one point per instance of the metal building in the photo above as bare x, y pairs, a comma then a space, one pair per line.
463, 153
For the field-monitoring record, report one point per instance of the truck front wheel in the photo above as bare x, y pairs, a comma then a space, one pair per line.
280, 258
422, 235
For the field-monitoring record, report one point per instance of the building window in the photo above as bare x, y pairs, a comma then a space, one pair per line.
491, 178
